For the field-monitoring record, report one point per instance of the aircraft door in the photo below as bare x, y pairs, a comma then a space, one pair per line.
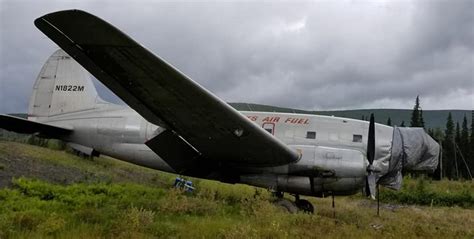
269, 127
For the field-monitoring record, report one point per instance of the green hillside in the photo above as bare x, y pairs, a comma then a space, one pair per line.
48, 193
433, 118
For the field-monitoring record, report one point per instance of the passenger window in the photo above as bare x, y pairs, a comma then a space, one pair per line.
311, 135
357, 138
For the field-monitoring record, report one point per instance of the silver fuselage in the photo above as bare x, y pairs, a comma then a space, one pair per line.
332, 148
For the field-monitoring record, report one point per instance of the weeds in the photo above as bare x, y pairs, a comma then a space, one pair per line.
110, 208
422, 192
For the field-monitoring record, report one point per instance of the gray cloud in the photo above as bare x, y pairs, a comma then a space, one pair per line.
315, 55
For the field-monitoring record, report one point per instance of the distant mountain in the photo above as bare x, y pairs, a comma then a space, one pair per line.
433, 118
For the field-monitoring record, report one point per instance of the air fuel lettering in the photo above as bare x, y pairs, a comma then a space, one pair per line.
275, 119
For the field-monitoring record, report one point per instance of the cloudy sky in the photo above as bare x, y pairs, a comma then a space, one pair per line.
318, 55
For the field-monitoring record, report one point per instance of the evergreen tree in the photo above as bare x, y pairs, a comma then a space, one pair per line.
448, 149
415, 114
464, 146
438, 135
402, 124
458, 161
389, 121
422, 121
431, 132
457, 137
471, 144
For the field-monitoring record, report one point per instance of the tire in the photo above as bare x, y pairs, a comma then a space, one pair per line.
305, 206
287, 205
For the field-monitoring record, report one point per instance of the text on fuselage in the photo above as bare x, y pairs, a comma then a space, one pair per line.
69, 88
277, 119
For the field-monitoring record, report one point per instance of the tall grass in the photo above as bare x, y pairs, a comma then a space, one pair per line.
134, 202
432, 193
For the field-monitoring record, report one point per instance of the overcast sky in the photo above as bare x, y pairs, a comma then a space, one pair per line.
319, 55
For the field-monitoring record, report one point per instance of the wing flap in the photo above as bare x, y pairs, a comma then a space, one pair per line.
178, 154
162, 94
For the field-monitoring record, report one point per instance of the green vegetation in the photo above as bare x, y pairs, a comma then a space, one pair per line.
108, 198
432, 193
34, 208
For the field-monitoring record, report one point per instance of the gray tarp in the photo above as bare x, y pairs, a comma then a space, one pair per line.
413, 150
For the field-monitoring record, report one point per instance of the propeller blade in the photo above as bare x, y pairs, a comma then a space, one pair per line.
371, 185
371, 140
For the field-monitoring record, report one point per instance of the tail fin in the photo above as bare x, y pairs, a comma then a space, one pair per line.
62, 86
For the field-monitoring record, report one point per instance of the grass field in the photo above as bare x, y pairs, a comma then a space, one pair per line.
55, 194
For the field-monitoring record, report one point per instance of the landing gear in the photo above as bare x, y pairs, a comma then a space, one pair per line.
293, 207
305, 206
287, 205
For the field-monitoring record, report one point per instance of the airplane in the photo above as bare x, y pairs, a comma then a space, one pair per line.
175, 125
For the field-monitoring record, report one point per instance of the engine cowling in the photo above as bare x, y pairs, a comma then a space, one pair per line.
319, 170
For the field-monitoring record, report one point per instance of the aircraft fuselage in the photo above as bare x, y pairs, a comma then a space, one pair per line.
332, 148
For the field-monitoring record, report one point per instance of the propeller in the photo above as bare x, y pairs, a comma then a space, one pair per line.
370, 180
371, 184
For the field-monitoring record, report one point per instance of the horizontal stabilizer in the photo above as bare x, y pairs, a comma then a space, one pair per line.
24, 126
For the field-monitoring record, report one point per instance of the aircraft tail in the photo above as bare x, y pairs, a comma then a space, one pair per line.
62, 86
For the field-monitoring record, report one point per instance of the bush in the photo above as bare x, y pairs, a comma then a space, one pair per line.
419, 193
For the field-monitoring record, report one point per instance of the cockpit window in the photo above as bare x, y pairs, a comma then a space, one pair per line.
311, 135
357, 138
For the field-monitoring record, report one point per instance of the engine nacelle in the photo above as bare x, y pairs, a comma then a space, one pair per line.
319, 170
319, 161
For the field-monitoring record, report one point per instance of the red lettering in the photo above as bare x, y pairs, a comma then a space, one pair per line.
296, 120
252, 118
271, 119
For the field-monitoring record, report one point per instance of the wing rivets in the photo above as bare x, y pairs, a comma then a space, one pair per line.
238, 132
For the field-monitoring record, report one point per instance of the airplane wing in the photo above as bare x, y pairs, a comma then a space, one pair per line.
162, 94
24, 126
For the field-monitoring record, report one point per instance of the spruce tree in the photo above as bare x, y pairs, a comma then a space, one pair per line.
471, 144
457, 140
422, 121
415, 114
448, 149
464, 146
431, 132
457, 137
389, 121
